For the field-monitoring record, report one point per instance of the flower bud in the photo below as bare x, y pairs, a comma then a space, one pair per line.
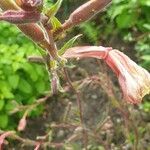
20, 17
22, 124
30, 5
33, 31
85, 12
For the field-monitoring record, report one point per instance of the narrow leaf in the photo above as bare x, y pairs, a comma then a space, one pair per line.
54, 9
55, 23
68, 44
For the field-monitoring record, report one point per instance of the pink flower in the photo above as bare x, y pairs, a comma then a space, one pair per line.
22, 124
133, 79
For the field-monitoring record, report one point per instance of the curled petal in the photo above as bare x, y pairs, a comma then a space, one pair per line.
133, 79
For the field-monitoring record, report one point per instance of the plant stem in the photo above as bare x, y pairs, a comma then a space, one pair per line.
85, 135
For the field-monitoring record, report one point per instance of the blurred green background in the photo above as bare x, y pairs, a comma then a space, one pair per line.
125, 25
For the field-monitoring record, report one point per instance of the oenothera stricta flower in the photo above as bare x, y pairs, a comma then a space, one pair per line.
133, 79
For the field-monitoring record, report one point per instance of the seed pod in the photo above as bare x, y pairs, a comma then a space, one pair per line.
85, 12
33, 31
30, 5
20, 17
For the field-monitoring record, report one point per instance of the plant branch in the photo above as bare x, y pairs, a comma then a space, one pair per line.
85, 140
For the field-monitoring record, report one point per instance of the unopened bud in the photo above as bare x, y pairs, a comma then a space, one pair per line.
22, 124
33, 31
85, 12
20, 17
30, 5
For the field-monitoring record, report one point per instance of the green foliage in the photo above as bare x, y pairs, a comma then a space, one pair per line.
91, 31
20, 81
68, 44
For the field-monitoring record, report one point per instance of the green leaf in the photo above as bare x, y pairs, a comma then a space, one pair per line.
13, 81
40, 86
24, 86
54, 9
10, 105
126, 19
56, 24
115, 12
146, 57
6, 90
3, 121
146, 26
2, 102
68, 45
145, 2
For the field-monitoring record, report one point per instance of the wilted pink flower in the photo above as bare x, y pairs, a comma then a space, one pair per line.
22, 124
3, 136
133, 79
